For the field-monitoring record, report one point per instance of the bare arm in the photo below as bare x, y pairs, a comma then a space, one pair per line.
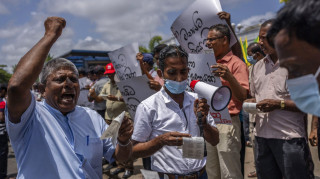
29, 68
313, 137
146, 149
210, 133
124, 149
268, 105
236, 48
2, 117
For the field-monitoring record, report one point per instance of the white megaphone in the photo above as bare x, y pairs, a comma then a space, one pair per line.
218, 97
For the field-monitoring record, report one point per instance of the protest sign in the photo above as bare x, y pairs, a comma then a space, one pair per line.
192, 26
199, 65
125, 62
134, 91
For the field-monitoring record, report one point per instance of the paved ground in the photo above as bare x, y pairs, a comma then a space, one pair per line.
249, 165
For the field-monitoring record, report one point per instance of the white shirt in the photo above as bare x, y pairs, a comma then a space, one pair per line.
83, 96
160, 114
51, 145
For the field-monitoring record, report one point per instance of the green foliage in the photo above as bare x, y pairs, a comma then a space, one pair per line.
143, 49
49, 57
4, 75
154, 41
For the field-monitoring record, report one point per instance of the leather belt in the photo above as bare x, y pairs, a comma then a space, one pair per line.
194, 175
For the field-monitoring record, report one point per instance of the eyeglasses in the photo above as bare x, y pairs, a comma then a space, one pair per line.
212, 39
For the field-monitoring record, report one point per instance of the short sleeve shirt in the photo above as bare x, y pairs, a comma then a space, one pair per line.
97, 88
268, 81
113, 108
160, 114
240, 71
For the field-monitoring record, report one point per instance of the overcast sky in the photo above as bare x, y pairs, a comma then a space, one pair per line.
105, 24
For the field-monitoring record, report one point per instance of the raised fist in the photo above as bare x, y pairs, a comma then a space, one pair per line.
54, 26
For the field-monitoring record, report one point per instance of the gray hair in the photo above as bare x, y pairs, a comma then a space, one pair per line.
54, 65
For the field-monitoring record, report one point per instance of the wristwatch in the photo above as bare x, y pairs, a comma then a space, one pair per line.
282, 104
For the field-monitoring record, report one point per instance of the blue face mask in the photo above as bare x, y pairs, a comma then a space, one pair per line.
176, 87
304, 92
251, 60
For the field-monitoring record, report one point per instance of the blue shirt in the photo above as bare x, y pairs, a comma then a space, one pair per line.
48, 144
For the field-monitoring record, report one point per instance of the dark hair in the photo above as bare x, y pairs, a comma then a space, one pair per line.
223, 29
98, 70
82, 71
300, 18
255, 47
171, 51
267, 22
3, 87
90, 70
158, 48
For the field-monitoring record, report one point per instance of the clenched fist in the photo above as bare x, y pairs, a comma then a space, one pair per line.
54, 26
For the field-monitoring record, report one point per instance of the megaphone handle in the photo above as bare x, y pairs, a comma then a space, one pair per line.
199, 116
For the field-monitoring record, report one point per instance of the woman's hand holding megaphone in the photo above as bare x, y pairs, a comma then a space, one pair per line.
200, 105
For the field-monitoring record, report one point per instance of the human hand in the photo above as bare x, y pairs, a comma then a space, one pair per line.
92, 93
125, 131
200, 105
53, 26
112, 98
224, 15
155, 85
251, 100
313, 137
139, 56
222, 71
172, 138
268, 105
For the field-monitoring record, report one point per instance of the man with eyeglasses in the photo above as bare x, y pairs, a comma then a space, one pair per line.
223, 160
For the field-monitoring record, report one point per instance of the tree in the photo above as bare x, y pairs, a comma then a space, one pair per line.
154, 41
49, 57
143, 49
4, 75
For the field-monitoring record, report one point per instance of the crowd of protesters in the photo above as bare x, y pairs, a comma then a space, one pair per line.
55, 114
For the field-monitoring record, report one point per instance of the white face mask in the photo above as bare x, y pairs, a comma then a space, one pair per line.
304, 92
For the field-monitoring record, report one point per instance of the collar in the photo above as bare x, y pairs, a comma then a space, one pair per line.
57, 112
268, 60
167, 99
226, 58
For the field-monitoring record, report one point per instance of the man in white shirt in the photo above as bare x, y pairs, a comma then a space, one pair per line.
84, 84
162, 120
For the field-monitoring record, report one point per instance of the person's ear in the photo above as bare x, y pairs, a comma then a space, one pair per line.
42, 88
160, 74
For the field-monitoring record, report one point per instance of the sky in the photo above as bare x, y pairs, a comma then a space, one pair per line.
105, 24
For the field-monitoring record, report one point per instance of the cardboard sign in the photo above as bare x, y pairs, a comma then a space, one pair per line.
199, 65
134, 91
125, 62
192, 26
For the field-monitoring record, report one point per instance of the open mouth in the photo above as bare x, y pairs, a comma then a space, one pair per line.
67, 98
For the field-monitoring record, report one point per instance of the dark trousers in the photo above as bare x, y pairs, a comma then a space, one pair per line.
146, 163
3, 156
102, 113
288, 159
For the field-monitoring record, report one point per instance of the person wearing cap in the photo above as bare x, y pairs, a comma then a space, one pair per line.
101, 80
146, 64
114, 106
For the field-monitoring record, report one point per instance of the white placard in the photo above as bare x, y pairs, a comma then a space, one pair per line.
147, 174
125, 62
192, 26
193, 147
113, 129
134, 91
199, 65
